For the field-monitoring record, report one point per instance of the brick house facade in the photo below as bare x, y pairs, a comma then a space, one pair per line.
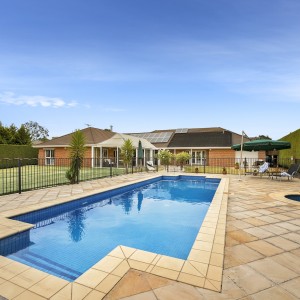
102, 149
209, 146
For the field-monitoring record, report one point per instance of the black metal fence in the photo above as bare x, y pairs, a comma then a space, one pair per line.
17, 175
235, 166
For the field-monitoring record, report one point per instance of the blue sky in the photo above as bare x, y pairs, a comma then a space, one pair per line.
144, 65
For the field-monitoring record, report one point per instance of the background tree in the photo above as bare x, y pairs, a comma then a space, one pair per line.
261, 137
36, 131
5, 135
22, 136
127, 151
165, 157
13, 135
77, 151
182, 158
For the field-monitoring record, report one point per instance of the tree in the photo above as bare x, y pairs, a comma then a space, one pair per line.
22, 136
14, 136
127, 151
5, 134
182, 158
165, 157
262, 137
77, 151
36, 131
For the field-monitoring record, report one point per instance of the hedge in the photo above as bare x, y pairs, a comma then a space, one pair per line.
9, 155
18, 151
294, 139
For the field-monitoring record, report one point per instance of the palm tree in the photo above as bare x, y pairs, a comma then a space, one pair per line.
77, 151
127, 151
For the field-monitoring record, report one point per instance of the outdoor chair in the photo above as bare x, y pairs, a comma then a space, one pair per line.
262, 170
290, 173
150, 166
106, 162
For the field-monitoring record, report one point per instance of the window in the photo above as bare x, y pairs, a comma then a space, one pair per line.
198, 157
105, 153
49, 157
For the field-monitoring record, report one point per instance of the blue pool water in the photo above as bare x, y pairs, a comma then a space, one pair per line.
161, 216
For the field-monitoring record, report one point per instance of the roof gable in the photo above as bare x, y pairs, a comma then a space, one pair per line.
118, 140
92, 136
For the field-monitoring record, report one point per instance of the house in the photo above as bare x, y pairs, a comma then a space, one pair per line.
206, 145
102, 148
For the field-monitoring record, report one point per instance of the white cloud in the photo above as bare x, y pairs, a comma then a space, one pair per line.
34, 101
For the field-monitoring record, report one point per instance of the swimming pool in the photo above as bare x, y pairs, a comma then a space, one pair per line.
159, 215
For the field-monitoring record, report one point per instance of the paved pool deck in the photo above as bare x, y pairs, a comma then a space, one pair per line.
252, 250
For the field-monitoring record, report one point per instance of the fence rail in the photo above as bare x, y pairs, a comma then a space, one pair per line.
17, 175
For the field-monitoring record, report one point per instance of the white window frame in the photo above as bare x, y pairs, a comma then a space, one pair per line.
49, 159
105, 153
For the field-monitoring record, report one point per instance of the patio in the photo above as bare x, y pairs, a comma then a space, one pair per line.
262, 249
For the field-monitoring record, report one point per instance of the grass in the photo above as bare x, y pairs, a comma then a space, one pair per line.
33, 177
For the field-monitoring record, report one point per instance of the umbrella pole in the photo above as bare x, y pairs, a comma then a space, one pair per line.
241, 156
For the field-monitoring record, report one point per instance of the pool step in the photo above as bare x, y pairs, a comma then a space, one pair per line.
47, 265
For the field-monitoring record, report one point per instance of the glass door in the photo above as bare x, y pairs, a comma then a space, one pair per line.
198, 157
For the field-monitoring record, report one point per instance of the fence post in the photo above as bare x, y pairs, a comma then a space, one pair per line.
132, 165
77, 169
204, 164
110, 167
19, 175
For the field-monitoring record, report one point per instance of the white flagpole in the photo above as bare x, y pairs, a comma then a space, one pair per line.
241, 156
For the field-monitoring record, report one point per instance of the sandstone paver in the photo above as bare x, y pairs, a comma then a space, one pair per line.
262, 246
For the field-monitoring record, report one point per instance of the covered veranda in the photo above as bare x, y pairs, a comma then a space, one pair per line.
108, 152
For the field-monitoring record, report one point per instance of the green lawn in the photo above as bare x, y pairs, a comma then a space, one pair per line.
33, 177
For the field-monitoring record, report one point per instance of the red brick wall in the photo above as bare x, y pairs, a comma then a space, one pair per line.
41, 153
221, 157
262, 155
61, 155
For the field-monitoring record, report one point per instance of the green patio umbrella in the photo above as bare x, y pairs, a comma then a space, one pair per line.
257, 145
140, 153
264, 145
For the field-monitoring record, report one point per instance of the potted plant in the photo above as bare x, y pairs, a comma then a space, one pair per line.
255, 172
224, 171
237, 166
